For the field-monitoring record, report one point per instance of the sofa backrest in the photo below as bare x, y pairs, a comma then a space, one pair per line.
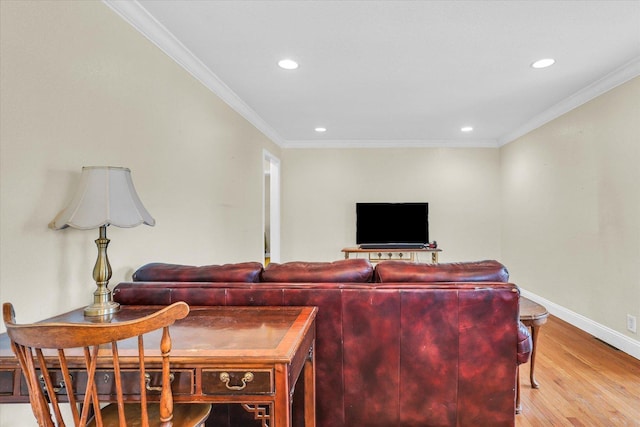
343, 271
388, 354
162, 272
476, 271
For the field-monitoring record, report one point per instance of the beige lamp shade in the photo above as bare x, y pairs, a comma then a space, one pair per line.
105, 196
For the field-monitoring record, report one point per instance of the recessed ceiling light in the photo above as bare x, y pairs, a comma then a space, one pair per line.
466, 128
543, 63
288, 64
320, 129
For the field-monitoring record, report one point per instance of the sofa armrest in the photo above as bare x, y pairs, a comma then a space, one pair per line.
525, 344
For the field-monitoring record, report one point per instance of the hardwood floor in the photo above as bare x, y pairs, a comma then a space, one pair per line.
583, 382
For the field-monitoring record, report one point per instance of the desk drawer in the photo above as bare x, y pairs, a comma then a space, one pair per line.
237, 382
6, 382
183, 382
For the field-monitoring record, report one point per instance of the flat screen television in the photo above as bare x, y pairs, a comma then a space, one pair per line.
388, 225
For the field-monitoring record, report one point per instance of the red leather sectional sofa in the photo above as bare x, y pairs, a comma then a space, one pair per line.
399, 345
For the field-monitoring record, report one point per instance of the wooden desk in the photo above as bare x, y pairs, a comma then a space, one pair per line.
376, 255
248, 355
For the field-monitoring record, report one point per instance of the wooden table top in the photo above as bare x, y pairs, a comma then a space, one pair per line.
216, 332
530, 311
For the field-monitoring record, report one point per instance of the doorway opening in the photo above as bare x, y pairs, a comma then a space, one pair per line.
271, 208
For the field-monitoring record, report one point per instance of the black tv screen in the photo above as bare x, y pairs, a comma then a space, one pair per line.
389, 223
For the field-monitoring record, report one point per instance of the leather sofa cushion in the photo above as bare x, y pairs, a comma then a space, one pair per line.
248, 272
343, 271
476, 271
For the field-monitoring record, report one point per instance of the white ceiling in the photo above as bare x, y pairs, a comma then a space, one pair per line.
397, 73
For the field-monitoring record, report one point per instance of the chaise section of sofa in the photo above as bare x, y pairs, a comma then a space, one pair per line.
396, 346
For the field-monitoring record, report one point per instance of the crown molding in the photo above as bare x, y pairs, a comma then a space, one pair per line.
391, 143
617, 77
138, 17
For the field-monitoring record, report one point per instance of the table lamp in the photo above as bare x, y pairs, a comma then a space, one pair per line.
105, 196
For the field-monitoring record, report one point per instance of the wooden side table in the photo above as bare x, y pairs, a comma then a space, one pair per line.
533, 315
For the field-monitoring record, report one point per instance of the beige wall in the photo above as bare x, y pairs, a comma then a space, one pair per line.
80, 87
320, 188
571, 211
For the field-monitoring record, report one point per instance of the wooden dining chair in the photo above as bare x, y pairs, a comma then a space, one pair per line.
49, 349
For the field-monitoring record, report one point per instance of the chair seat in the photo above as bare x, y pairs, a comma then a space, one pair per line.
184, 415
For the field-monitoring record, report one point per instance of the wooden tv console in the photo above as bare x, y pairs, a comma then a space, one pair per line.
386, 254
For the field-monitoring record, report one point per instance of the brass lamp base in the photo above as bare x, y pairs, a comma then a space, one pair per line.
101, 309
103, 304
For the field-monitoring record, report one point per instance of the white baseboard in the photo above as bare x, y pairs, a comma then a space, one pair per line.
604, 333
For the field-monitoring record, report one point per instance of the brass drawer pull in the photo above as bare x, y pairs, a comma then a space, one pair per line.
247, 378
61, 384
147, 382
